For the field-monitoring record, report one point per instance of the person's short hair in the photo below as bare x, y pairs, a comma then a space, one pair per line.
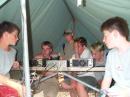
9, 27
81, 40
116, 23
47, 43
99, 46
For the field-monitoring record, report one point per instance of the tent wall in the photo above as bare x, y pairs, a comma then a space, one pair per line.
90, 17
49, 18
11, 12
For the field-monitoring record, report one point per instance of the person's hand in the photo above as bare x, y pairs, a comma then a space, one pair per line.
62, 57
16, 65
73, 84
118, 94
65, 85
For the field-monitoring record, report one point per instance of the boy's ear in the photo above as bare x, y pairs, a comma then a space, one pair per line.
72, 34
116, 33
5, 34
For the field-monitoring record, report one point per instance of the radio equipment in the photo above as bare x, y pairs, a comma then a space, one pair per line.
57, 64
84, 62
38, 62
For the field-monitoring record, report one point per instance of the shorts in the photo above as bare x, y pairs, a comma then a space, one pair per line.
50, 87
89, 80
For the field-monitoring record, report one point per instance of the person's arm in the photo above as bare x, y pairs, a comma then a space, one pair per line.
106, 83
124, 92
9, 82
108, 75
38, 56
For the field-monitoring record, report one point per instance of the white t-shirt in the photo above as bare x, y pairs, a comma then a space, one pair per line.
85, 54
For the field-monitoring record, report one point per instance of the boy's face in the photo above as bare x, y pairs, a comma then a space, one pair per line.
97, 54
69, 37
46, 50
78, 48
109, 38
12, 37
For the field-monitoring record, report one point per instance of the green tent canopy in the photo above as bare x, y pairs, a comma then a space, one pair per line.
48, 19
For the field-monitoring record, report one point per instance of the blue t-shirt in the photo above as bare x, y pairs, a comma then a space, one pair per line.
7, 59
118, 67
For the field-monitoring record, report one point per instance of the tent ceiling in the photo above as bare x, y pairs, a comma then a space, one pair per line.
49, 18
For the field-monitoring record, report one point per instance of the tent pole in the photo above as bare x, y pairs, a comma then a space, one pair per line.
25, 48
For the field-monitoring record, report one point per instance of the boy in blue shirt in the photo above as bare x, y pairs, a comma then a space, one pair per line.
115, 37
